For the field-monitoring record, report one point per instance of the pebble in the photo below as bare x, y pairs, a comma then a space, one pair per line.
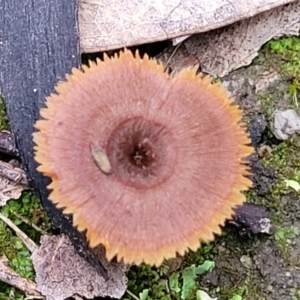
285, 123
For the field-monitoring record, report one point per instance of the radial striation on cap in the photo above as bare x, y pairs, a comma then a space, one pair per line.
150, 165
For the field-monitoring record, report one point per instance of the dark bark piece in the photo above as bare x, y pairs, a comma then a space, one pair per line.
254, 218
38, 46
7, 144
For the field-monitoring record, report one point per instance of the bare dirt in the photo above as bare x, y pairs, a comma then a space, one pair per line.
260, 267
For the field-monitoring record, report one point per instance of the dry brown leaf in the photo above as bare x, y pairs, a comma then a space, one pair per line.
227, 49
62, 273
9, 190
7, 144
178, 58
12, 182
106, 24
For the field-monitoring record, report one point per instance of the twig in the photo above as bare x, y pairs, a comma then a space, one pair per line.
132, 295
10, 277
14, 174
30, 223
77, 297
171, 56
28, 242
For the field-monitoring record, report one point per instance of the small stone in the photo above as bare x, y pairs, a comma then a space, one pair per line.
267, 80
253, 218
270, 288
285, 123
264, 151
246, 261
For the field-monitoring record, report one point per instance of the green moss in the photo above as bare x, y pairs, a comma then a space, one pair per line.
10, 293
3, 116
295, 293
285, 161
244, 289
146, 278
28, 207
202, 254
163, 284
11, 246
283, 55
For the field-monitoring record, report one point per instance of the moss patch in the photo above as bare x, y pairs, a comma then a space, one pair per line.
28, 208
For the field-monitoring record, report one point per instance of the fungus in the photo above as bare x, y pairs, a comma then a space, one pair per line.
148, 164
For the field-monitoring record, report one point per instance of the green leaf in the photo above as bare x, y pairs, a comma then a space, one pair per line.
236, 297
189, 281
279, 234
144, 294
295, 230
293, 184
201, 295
208, 265
174, 282
18, 244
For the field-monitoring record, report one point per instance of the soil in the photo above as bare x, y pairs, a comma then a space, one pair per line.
259, 267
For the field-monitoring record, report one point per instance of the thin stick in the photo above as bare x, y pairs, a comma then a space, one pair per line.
30, 223
28, 242
132, 295
10, 277
171, 56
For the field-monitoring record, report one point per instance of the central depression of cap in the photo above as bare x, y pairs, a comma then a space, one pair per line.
142, 153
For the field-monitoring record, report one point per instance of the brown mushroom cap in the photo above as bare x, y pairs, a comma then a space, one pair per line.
149, 165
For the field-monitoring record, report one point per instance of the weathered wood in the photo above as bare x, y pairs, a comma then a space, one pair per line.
38, 46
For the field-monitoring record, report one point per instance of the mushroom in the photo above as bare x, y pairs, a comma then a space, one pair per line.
150, 165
